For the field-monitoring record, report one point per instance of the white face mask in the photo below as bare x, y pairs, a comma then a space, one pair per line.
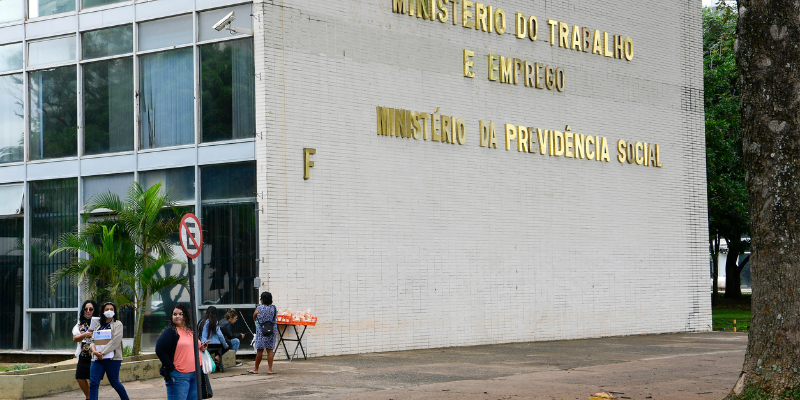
109, 314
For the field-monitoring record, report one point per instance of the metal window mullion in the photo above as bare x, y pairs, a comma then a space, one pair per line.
106, 58
136, 96
53, 309
26, 275
198, 207
79, 99
225, 39
81, 132
26, 236
165, 49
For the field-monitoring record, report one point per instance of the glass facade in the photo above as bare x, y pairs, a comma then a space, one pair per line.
51, 51
230, 227
53, 118
12, 123
10, 10
108, 101
11, 271
167, 32
48, 330
86, 112
228, 90
178, 182
167, 98
107, 42
41, 8
98, 3
54, 212
117, 184
10, 56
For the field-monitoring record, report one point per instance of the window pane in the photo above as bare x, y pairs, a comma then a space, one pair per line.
167, 109
53, 113
10, 10
179, 182
228, 90
118, 183
10, 55
51, 51
243, 324
12, 125
108, 105
228, 182
54, 211
206, 21
165, 32
95, 3
40, 8
53, 330
230, 238
10, 200
11, 264
107, 42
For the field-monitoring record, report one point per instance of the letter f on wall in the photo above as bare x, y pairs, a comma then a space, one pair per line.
308, 164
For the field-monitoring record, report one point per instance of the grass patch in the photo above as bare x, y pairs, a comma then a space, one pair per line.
753, 393
725, 311
15, 367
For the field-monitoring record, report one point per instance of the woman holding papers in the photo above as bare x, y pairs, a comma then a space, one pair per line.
107, 351
82, 335
175, 350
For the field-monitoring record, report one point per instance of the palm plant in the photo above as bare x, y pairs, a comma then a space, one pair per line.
123, 252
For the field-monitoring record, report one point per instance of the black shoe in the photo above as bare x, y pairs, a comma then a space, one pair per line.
239, 363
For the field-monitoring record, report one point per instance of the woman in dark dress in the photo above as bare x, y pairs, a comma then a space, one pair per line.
83, 336
266, 313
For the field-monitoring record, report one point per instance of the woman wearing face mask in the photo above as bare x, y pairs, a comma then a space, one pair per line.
175, 350
104, 363
82, 335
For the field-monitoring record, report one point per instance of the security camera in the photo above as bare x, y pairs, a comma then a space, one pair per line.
224, 22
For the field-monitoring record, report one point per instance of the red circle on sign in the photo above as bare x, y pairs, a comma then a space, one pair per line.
188, 240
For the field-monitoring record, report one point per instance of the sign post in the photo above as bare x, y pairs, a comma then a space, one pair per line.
192, 243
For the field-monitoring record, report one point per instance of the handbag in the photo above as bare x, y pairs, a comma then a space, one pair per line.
268, 328
208, 363
205, 386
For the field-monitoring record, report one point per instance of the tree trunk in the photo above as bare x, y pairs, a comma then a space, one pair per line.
137, 333
768, 59
733, 281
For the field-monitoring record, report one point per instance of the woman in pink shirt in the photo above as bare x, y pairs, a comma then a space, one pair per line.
174, 348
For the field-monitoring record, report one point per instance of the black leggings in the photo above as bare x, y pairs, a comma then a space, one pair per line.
219, 347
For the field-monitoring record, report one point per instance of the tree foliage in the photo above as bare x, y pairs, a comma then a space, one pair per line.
727, 193
121, 253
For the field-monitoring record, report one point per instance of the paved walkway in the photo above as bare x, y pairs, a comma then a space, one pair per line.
673, 366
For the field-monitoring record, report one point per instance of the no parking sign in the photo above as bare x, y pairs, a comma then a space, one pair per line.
191, 235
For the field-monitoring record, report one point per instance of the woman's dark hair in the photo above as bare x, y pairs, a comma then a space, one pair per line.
103, 319
187, 317
266, 298
211, 317
96, 312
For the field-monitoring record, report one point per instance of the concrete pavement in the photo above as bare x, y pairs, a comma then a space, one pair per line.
671, 366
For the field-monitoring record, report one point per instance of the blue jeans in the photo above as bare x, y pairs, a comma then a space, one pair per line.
182, 386
235, 345
110, 368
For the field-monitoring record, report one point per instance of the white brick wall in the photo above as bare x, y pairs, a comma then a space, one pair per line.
403, 244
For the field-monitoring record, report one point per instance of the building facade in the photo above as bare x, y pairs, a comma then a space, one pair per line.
418, 173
